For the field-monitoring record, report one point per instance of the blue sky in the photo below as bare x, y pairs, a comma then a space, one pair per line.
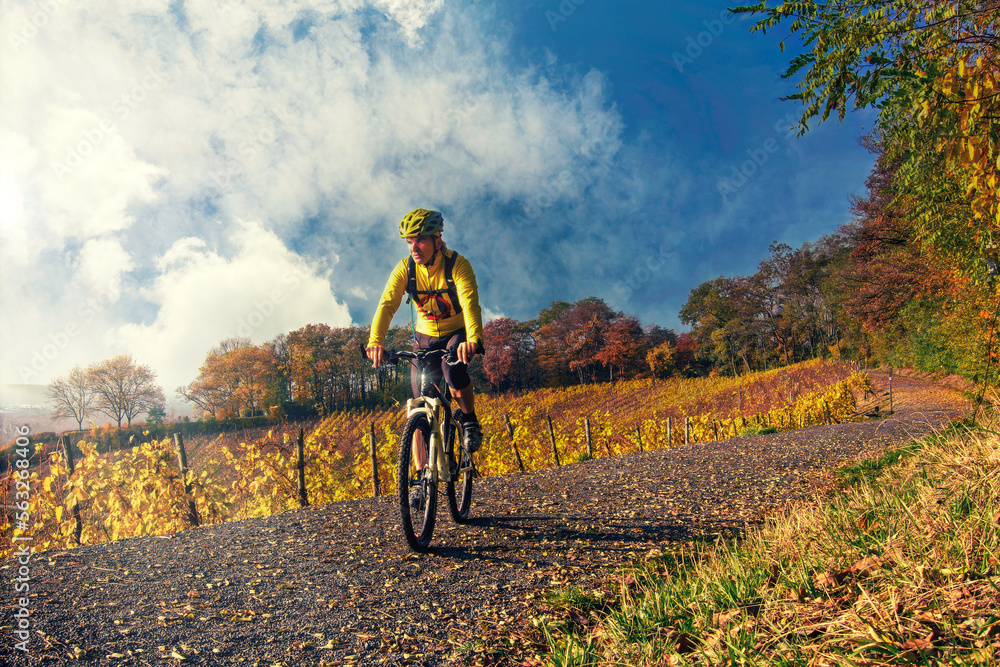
174, 173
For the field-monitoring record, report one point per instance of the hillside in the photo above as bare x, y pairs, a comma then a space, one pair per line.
251, 472
334, 584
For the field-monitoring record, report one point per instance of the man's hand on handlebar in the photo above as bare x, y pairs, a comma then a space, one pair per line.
468, 350
377, 354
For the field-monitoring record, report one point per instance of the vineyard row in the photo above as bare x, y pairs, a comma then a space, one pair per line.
142, 490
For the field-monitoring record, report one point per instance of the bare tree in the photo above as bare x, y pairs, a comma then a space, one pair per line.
72, 396
124, 389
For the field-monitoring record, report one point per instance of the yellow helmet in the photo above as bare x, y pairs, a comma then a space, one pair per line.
421, 222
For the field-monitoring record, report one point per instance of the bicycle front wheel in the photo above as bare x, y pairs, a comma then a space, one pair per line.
417, 490
460, 491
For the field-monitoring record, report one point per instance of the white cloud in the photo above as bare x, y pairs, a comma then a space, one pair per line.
17, 160
132, 136
203, 297
411, 15
101, 264
490, 315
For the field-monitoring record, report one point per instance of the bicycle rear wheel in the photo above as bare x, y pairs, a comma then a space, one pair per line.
417, 518
460, 492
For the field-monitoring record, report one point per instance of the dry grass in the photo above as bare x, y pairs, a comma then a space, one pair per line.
900, 567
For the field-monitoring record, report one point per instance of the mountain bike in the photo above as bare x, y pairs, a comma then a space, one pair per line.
433, 435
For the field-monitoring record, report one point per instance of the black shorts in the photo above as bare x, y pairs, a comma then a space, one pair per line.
456, 376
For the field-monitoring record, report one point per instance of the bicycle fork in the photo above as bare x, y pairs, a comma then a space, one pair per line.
437, 458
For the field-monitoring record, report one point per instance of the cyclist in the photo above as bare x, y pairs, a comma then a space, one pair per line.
448, 313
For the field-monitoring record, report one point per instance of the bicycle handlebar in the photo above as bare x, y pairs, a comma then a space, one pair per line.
393, 357
449, 354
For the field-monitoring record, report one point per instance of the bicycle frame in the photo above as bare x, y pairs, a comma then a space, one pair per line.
435, 410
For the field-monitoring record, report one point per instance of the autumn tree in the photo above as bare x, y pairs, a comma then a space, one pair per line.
711, 310
251, 371
662, 359
789, 310
549, 331
508, 361
799, 298
280, 393
931, 70
568, 337
622, 347
392, 383
687, 363
325, 366
72, 396
124, 389
916, 306
889, 267
654, 335
234, 378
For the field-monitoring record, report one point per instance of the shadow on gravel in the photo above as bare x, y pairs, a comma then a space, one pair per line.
514, 537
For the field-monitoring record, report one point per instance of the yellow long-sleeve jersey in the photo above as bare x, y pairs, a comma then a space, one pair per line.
436, 314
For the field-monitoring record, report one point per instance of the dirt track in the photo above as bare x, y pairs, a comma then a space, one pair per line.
335, 584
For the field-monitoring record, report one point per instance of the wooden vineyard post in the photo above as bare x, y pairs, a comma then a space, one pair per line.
890, 392
687, 430
552, 437
715, 427
71, 467
638, 434
376, 487
183, 464
670, 433
300, 467
510, 432
590, 446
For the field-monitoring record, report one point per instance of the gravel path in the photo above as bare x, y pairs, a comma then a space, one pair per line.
335, 584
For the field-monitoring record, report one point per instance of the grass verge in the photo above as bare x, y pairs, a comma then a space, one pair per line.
899, 567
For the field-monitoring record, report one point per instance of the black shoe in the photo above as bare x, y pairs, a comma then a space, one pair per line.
473, 436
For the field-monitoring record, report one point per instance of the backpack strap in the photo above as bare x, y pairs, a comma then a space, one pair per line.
411, 282
449, 263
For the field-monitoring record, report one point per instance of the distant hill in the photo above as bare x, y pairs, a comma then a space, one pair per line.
23, 395
27, 405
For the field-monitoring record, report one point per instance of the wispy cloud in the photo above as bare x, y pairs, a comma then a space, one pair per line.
135, 140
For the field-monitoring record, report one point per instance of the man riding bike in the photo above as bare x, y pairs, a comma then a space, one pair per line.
442, 285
